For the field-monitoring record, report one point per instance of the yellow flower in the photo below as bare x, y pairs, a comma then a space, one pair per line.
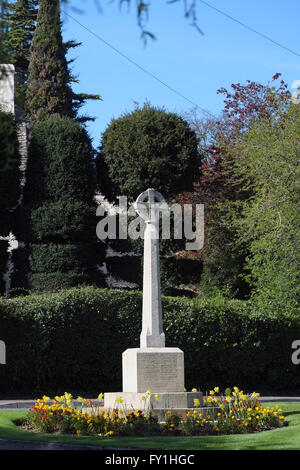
196, 402
100, 435
78, 432
211, 392
119, 400
156, 396
143, 398
45, 398
100, 397
194, 390
148, 393
184, 389
110, 433
216, 389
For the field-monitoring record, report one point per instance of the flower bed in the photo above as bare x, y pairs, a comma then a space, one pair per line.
235, 413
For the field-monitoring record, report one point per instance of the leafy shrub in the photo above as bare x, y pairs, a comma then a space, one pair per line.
3, 261
73, 340
147, 148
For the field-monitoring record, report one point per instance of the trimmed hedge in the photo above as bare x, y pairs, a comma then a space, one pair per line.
73, 340
3, 263
148, 148
58, 217
9, 171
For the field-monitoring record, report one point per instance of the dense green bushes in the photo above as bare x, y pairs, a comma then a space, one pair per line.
3, 262
9, 170
58, 219
148, 147
73, 340
9, 183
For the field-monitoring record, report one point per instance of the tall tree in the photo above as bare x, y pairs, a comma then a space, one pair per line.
49, 91
4, 53
267, 164
21, 18
244, 106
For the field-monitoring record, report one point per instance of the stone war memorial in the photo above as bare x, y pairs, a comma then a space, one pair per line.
153, 366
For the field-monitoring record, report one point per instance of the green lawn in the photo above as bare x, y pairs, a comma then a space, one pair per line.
286, 438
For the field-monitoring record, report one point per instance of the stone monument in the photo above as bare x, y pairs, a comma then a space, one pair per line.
152, 366
7, 88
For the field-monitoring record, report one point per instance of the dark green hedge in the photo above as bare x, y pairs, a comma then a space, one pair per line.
9, 170
147, 148
3, 262
58, 217
73, 340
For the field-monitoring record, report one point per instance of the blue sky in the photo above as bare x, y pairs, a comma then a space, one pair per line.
194, 65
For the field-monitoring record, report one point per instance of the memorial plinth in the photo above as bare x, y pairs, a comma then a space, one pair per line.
152, 367
155, 369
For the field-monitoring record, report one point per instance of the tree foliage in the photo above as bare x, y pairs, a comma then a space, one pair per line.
223, 255
268, 167
48, 92
143, 11
21, 18
148, 147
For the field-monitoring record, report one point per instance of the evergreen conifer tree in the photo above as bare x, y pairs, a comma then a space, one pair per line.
4, 53
21, 18
49, 92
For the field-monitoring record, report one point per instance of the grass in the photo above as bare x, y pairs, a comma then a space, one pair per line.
286, 438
